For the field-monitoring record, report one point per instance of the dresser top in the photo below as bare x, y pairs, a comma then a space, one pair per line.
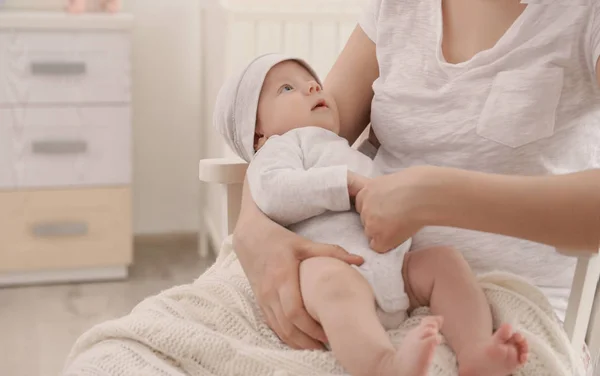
291, 6
64, 21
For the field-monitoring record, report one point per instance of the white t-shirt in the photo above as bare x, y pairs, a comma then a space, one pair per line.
528, 106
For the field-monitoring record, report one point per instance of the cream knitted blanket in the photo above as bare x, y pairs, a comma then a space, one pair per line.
214, 327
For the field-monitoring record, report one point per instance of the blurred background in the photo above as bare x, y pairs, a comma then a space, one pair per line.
105, 111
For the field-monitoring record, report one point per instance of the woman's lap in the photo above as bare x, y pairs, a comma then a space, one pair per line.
213, 322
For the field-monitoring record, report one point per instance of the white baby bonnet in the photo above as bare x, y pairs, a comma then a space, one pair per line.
237, 102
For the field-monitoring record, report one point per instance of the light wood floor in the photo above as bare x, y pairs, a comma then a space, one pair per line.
39, 324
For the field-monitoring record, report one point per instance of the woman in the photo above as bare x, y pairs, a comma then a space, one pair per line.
488, 114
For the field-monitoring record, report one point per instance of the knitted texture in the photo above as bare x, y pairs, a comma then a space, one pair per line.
214, 327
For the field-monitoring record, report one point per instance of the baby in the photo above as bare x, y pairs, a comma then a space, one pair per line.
276, 115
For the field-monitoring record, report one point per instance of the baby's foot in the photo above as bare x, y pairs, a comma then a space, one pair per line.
500, 356
414, 355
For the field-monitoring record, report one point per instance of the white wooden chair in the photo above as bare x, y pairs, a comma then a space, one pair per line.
582, 322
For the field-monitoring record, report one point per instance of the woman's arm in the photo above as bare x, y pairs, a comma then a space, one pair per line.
350, 82
270, 256
562, 210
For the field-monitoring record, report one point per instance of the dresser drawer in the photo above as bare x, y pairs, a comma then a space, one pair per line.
64, 67
61, 229
65, 147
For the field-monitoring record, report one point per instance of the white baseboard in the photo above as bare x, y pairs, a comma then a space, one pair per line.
64, 276
188, 239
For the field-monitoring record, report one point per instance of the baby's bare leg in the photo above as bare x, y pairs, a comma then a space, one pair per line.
441, 279
339, 297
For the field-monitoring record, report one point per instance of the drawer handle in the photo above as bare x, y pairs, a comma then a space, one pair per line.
52, 68
59, 147
60, 229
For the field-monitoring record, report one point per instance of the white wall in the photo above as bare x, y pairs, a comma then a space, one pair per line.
167, 110
166, 115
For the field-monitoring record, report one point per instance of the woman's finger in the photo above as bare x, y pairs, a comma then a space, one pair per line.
291, 335
311, 249
273, 323
285, 329
381, 243
359, 201
375, 245
362, 218
295, 311
357, 184
368, 230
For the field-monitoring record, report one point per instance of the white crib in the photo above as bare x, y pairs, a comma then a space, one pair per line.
315, 30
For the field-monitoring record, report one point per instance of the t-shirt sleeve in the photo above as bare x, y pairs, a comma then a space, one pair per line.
595, 35
369, 18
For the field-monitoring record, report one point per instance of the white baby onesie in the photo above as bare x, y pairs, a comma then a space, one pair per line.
300, 180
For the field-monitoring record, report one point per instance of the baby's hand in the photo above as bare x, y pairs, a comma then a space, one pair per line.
356, 183
260, 142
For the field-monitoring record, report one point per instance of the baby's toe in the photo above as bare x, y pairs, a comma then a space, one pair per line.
504, 333
523, 358
430, 332
520, 341
518, 338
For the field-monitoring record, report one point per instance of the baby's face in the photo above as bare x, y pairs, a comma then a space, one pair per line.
291, 98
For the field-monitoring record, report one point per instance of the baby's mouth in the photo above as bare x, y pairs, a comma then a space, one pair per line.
320, 104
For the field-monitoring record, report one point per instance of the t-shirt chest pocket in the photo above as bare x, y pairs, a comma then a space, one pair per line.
521, 106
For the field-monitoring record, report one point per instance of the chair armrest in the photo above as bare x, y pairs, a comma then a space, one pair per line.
593, 334
582, 300
222, 170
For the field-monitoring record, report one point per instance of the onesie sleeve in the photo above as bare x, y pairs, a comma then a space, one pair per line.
369, 18
287, 192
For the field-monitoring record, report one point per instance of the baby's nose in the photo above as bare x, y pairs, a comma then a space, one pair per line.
313, 87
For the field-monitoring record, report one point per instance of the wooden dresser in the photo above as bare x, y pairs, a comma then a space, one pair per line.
65, 147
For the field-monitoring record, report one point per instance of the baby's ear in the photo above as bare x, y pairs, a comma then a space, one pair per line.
259, 141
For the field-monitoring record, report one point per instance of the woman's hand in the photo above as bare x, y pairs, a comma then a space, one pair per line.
356, 183
270, 256
394, 207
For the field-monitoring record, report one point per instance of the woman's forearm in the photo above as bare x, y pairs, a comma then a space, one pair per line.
250, 221
562, 211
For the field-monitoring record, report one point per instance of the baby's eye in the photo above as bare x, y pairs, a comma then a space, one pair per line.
287, 87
